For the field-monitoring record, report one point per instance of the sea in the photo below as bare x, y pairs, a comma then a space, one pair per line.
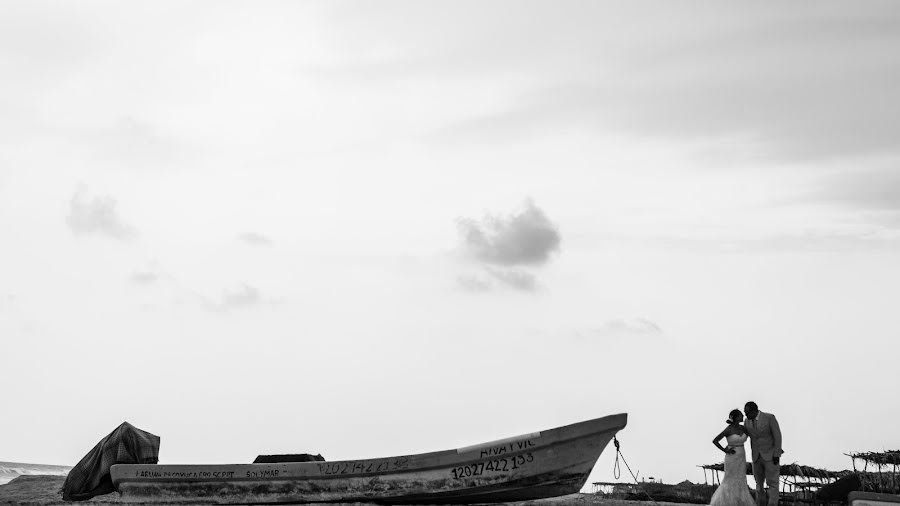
10, 470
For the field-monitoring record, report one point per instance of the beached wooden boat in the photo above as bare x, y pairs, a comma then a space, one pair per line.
857, 498
531, 466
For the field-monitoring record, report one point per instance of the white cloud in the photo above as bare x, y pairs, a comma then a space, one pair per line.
627, 327
524, 238
254, 239
508, 247
7, 300
870, 189
473, 283
144, 277
518, 279
493, 278
841, 102
243, 296
97, 216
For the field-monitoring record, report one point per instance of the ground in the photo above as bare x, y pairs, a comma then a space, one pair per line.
44, 491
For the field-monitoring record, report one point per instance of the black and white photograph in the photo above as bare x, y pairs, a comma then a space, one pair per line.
413, 252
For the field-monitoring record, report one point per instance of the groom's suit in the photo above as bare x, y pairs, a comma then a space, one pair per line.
765, 444
765, 436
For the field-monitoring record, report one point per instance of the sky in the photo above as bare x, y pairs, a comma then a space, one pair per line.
365, 229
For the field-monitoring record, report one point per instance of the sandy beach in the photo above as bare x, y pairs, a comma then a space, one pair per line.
44, 491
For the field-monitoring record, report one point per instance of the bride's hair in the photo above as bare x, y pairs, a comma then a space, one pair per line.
733, 415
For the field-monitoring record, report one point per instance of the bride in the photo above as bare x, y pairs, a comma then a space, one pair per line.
733, 491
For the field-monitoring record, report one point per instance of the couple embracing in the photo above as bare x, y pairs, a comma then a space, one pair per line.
765, 448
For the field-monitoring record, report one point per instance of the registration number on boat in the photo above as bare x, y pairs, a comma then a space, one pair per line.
500, 465
369, 466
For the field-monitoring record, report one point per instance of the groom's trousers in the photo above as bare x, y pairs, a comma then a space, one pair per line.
766, 472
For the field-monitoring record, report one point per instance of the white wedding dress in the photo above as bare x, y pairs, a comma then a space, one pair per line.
733, 490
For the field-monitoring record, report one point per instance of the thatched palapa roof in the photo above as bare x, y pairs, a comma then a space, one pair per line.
885, 458
789, 470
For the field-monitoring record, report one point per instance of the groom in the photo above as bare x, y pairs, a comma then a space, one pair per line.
765, 446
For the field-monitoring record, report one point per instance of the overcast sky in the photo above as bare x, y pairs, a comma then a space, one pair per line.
378, 228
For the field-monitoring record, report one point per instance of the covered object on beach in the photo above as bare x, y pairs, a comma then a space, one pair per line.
125, 445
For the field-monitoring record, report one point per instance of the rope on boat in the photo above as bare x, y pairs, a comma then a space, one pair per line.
617, 470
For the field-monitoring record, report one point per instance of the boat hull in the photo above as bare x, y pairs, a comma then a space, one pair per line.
857, 498
531, 466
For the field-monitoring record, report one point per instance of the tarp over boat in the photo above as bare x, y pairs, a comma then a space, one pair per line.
125, 445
